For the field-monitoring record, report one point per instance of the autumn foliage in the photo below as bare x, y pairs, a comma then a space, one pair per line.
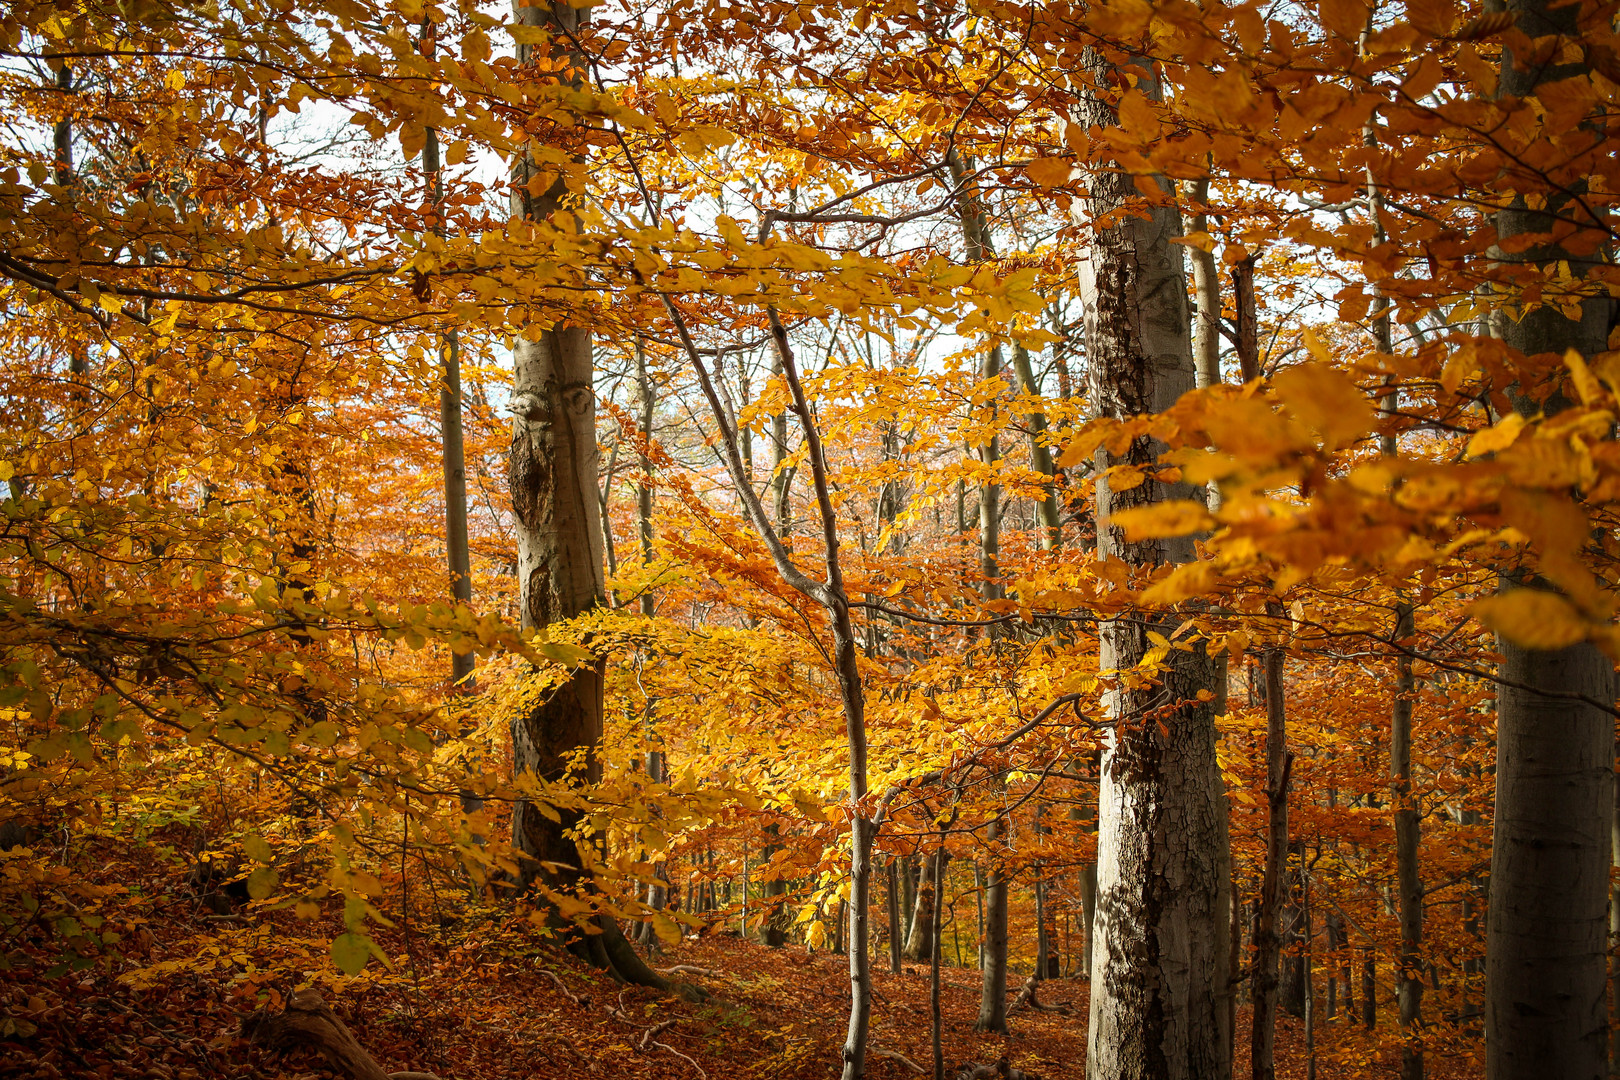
836, 262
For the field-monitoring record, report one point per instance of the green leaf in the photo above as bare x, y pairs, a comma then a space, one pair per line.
350, 952
257, 849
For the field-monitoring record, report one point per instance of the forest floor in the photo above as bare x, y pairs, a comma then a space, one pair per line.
488, 1001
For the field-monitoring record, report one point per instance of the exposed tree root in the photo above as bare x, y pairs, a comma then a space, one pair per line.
308, 1023
1026, 997
895, 1055
1001, 1070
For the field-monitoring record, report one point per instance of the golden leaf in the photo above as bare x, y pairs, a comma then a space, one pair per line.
1050, 172
1499, 436
1532, 619
1173, 517
1326, 401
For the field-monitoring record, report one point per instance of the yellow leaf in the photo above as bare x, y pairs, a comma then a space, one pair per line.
665, 928
1585, 384
1532, 619
1136, 116
1050, 172
1125, 477
1326, 401
1499, 436
1173, 517
1190, 579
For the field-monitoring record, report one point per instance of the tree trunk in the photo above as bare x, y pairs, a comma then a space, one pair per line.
1045, 956
1267, 942
935, 1023
1088, 911
1159, 973
896, 946
993, 1000
458, 560
1207, 294
920, 938
1547, 926
1369, 987
552, 477
1409, 889
981, 248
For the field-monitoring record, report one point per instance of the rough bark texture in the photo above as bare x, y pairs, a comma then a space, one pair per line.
1159, 973
1248, 326
553, 484
1547, 927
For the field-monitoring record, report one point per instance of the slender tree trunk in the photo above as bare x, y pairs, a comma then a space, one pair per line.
458, 559
909, 873
993, 1000
1264, 981
1369, 987
1547, 926
1207, 295
1248, 325
1335, 943
1614, 937
1408, 887
981, 248
935, 1019
896, 946
1308, 955
978, 903
1045, 961
1159, 974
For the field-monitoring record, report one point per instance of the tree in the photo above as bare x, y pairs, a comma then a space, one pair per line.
1158, 980
1547, 926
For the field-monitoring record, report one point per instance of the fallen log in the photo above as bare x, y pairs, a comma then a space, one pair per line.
308, 1023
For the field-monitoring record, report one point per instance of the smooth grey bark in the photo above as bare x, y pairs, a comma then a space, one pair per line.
1547, 925
1207, 295
1264, 979
1159, 981
993, 999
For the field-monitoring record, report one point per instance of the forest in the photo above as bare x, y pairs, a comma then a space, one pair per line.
820, 538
